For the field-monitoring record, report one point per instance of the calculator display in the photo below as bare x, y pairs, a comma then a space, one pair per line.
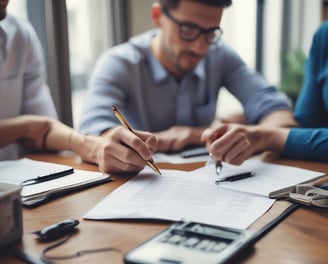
212, 231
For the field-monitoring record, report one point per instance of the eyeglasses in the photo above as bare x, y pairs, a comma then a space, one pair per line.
190, 32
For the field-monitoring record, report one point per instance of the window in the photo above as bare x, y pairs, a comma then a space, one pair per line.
18, 8
239, 27
89, 36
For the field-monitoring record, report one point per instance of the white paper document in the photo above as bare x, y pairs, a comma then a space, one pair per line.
270, 180
177, 195
41, 191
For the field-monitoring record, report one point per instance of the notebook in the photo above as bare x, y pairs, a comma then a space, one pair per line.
43, 181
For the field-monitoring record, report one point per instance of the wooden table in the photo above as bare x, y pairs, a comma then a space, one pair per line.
301, 238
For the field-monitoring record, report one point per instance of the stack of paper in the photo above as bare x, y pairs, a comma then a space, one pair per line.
194, 195
42, 181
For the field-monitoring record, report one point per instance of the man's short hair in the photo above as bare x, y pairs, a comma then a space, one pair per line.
172, 4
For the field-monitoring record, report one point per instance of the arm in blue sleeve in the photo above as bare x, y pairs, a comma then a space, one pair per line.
310, 108
307, 144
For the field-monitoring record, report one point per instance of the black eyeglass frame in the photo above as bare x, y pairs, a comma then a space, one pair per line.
212, 35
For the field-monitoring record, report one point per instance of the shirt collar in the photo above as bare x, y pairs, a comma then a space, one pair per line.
199, 71
158, 71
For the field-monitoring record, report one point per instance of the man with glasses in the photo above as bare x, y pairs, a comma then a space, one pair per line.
167, 81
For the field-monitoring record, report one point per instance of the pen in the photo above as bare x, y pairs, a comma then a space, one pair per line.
125, 123
236, 177
218, 167
47, 177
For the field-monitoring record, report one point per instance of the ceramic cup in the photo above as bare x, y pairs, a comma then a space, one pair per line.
11, 224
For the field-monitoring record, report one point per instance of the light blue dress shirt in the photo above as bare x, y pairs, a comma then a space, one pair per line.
22, 76
311, 109
131, 78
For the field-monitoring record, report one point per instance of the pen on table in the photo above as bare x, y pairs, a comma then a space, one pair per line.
236, 177
125, 123
47, 177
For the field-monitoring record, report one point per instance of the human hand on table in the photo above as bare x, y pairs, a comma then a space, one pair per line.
178, 138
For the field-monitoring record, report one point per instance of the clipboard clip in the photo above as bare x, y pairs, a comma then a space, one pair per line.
309, 195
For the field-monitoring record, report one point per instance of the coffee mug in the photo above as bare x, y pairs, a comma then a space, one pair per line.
11, 224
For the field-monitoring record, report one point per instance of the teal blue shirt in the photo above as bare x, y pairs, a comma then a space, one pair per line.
311, 109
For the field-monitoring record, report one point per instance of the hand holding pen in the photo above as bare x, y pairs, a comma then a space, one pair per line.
230, 143
227, 142
125, 124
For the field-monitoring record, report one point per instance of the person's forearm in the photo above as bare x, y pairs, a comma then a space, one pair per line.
269, 139
11, 130
86, 146
238, 118
58, 137
62, 137
282, 118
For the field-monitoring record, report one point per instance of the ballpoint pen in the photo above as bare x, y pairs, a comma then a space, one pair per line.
49, 177
236, 177
126, 124
218, 167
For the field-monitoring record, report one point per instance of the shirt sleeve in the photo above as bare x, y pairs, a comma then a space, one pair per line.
310, 109
106, 88
307, 144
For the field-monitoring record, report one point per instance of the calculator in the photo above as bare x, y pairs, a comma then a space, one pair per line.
192, 242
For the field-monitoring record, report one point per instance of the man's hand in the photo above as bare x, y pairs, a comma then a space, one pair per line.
177, 138
122, 151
